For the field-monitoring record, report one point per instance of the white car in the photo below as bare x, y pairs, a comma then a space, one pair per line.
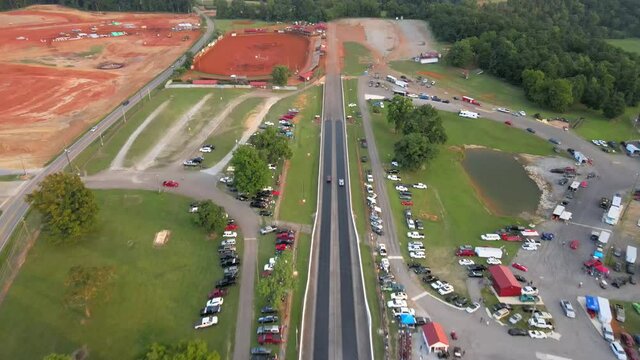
416, 247
416, 243
384, 264
93, 129
215, 302
419, 186
445, 290
537, 334
418, 255
542, 315
206, 322
272, 166
412, 95
226, 179
268, 229
341, 182
607, 332
401, 188
540, 323
568, 308
473, 307
529, 247
515, 318
493, 261
206, 149
393, 177
230, 234
397, 304
382, 250
403, 311
228, 242
395, 164
529, 290
398, 296
269, 123
415, 235
465, 262
618, 351
490, 237
437, 285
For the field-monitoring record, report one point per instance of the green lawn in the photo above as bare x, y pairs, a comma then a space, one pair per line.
156, 295
452, 212
487, 88
299, 194
226, 25
631, 324
355, 131
230, 130
12, 177
630, 45
303, 248
356, 59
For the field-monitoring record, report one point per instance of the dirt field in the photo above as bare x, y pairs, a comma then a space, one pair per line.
51, 86
255, 55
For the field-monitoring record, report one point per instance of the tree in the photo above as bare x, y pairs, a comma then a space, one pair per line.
399, 110
211, 217
57, 357
68, 208
84, 283
251, 172
461, 54
281, 280
614, 106
425, 120
222, 9
184, 350
533, 83
280, 75
271, 145
559, 95
413, 150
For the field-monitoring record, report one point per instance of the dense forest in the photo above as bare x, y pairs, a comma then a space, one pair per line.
106, 5
554, 49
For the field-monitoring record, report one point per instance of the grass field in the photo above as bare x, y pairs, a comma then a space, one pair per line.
631, 324
452, 212
226, 25
230, 130
96, 157
487, 88
355, 131
356, 59
299, 193
156, 295
630, 45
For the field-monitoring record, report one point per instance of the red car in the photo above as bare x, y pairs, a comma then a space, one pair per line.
281, 247
231, 227
631, 354
407, 203
465, 252
520, 267
286, 236
170, 183
217, 293
510, 237
269, 339
627, 340
508, 122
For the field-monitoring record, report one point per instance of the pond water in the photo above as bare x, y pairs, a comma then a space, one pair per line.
502, 182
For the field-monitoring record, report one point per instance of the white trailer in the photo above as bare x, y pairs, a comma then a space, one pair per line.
603, 238
391, 79
374, 97
402, 84
632, 254
612, 216
604, 314
468, 114
487, 252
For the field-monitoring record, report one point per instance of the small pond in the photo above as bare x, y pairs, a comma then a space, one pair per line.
502, 182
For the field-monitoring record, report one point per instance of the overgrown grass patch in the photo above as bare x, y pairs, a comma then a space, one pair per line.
156, 296
356, 58
630, 44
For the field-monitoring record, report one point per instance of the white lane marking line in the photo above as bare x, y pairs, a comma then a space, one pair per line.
420, 296
543, 356
396, 257
588, 226
250, 238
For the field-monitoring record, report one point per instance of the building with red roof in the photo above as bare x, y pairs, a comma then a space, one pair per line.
435, 337
504, 283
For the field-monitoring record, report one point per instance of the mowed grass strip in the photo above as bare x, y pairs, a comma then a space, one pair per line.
180, 104
226, 25
356, 58
630, 44
452, 212
299, 192
156, 296
487, 88
230, 130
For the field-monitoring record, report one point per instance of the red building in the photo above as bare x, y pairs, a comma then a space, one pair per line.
504, 283
434, 336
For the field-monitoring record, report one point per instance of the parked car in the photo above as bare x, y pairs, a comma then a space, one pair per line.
517, 332
419, 186
170, 183
519, 267
500, 314
515, 318
554, 141
537, 334
269, 338
415, 235
210, 310
493, 261
472, 308
531, 130
396, 303
399, 296
265, 213
225, 282
529, 290
539, 323
620, 315
268, 229
206, 322
465, 262
207, 148
618, 351
568, 308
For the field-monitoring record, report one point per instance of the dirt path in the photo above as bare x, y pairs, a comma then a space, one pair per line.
117, 163
151, 156
252, 124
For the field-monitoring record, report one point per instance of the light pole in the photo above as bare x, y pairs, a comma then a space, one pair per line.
124, 114
66, 153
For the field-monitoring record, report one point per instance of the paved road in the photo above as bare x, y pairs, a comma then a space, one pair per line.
336, 315
16, 207
552, 265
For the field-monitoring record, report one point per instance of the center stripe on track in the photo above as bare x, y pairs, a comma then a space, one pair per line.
394, 257
420, 296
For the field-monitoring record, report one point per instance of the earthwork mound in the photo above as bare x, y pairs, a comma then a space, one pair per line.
110, 66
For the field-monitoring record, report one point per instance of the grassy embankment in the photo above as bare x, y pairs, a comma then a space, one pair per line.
356, 59
155, 297
487, 88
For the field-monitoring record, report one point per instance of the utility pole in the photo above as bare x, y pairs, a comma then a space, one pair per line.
124, 114
149, 93
66, 152
24, 170
101, 140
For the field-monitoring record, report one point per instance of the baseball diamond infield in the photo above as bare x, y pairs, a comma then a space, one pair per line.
255, 55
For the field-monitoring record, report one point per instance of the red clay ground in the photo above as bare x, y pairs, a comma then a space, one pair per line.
52, 91
255, 55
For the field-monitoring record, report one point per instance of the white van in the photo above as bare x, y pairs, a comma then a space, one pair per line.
411, 224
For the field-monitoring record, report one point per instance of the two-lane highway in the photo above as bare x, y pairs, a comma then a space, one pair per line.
16, 207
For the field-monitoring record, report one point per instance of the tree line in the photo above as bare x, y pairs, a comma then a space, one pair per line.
106, 5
